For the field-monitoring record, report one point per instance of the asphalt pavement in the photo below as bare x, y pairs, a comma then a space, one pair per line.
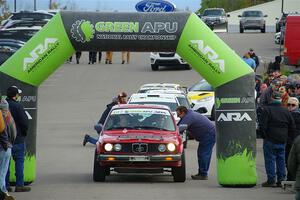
71, 101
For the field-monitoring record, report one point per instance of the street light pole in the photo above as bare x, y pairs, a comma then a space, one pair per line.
15, 5
34, 5
50, 4
282, 2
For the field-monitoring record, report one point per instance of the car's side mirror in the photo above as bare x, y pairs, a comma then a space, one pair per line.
228, 15
239, 15
265, 15
182, 127
202, 110
98, 128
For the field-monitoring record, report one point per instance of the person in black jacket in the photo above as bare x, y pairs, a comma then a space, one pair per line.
19, 146
276, 125
254, 57
293, 107
121, 99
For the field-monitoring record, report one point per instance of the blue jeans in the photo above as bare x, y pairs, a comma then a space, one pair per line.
91, 140
204, 152
4, 163
18, 154
274, 154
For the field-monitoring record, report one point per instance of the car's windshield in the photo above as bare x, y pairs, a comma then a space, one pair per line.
201, 86
136, 118
171, 105
183, 102
252, 14
23, 35
213, 13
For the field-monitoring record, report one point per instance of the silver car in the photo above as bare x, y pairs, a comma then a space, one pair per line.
252, 20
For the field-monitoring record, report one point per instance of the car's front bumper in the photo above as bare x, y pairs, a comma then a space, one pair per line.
139, 158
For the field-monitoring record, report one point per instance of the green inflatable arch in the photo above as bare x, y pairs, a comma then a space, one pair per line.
184, 33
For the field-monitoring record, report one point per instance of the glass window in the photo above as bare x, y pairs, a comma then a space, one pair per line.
201, 86
183, 102
146, 119
252, 14
171, 105
213, 13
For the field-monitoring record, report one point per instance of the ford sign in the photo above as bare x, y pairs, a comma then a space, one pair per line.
154, 6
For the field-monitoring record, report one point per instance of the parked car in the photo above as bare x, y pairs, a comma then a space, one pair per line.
202, 95
162, 86
216, 18
27, 16
20, 33
8, 47
279, 38
24, 23
139, 138
167, 59
252, 20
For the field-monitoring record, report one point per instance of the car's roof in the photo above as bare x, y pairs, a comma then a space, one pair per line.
155, 97
166, 91
143, 106
171, 85
214, 9
23, 28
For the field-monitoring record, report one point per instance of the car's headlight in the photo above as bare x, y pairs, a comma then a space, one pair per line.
154, 53
108, 147
171, 147
117, 147
162, 148
205, 99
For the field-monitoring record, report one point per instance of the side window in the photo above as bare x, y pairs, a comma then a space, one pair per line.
183, 102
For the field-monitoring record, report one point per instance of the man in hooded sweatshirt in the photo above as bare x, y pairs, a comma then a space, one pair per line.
121, 99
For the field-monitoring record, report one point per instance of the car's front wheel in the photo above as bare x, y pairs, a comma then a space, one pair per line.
187, 67
99, 172
154, 67
241, 29
179, 173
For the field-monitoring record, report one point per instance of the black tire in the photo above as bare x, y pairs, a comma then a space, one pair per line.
263, 30
179, 173
241, 30
99, 172
187, 67
154, 67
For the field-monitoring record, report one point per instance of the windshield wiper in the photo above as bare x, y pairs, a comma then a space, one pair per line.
150, 127
120, 127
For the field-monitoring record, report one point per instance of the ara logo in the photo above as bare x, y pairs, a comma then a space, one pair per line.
210, 53
235, 116
83, 31
36, 53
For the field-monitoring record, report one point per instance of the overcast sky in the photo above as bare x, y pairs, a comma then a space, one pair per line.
105, 5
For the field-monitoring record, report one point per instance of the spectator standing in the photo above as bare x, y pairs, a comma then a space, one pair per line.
100, 56
78, 55
19, 147
92, 57
284, 96
276, 125
127, 55
293, 107
254, 57
249, 61
109, 56
204, 131
294, 165
6, 140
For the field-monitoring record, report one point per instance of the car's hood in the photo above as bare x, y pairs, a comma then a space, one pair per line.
211, 17
137, 135
200, 95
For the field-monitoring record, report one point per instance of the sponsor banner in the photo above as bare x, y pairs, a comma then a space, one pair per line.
233, 101
155, 6
235, 115
209, 55
41, 55
140, 111
124, 31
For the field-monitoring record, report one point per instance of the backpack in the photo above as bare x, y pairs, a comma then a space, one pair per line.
10, 128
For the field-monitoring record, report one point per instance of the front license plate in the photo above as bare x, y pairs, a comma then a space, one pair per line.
139, 158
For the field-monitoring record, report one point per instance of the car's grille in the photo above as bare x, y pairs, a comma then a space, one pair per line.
166, 54
253, 21
139, 148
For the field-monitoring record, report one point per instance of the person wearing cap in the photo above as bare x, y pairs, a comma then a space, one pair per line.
293, 107
5, 147
19, 147
265, 97
249, 61
254, 57
276, 125
120, 99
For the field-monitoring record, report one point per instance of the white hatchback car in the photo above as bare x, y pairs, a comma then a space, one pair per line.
167, 59
162, 86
